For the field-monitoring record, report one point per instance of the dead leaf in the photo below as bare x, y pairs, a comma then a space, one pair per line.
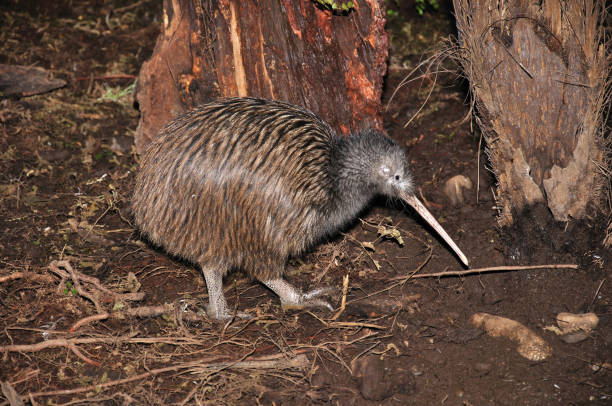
391, 233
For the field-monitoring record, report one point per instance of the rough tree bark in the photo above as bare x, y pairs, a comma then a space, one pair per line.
539, 74
289, 50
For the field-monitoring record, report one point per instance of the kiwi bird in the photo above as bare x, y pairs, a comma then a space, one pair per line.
247, 183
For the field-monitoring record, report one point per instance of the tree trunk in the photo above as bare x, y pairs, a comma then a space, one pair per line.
539, 74
290, 50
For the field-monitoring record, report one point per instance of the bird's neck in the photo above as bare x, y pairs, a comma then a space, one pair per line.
353, 188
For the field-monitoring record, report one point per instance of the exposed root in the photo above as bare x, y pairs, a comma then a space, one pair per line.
574, 328
87, 320
204, 365
91, 288
88, 286
31, 276
67, 342
571, 323
530, 345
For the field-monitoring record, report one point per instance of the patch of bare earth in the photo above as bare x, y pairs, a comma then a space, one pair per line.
91, 315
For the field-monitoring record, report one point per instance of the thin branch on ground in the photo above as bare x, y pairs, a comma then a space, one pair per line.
31, 276
345, 283
346, 324
197, 366
402, 280
87, 320
82, 356
141, 311
67, 342
487, 270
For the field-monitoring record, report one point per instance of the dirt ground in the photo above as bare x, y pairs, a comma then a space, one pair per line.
66, 170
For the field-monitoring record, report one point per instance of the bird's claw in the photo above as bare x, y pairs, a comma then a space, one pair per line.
309, 299
293, 298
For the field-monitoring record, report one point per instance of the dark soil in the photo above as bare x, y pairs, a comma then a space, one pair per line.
66, 170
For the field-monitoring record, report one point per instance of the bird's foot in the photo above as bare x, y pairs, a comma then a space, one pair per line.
293, 298
223, 314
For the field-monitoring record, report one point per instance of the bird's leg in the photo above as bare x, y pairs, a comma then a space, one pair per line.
217, 305
293, 298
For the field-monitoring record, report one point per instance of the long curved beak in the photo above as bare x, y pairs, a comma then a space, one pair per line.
422, 210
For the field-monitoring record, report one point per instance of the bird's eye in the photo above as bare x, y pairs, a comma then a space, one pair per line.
397, 177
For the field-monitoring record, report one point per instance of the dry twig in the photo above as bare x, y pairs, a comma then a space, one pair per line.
488, 269
32, 276
71, 342
345, 282
141, 311
201, 365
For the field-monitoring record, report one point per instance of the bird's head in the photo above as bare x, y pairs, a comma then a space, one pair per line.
379, 162
393, 178
382, 166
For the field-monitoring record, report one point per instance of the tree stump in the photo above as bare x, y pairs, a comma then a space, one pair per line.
539, 74
290, 50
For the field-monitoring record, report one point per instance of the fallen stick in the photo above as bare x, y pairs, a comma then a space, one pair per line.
345, 282
347, 324
67, 342
299, 361
354, 324
32, 276
141, 311
99, 387
487, 269
82, 356
59, 342
385, 305
10, 394
87, 320
83, 285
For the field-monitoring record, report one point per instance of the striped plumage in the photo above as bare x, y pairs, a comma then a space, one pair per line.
244, 183
247, 183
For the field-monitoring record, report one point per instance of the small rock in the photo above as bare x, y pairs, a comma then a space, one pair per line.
571, 323
455, 189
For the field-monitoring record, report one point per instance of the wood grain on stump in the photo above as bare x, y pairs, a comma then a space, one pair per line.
279, 49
